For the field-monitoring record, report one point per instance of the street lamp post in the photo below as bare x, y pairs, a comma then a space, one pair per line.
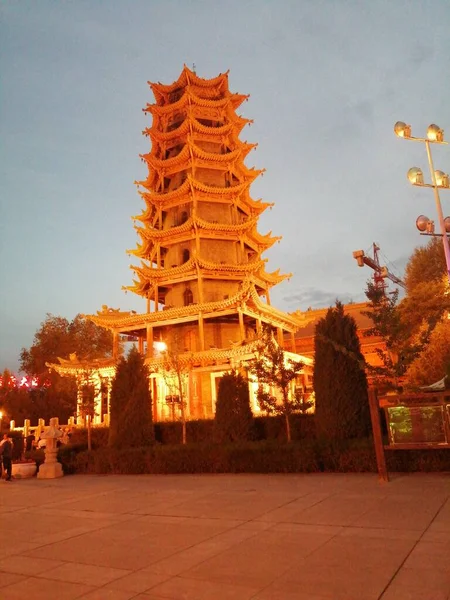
439, 180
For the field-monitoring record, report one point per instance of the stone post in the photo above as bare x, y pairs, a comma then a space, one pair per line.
51, 468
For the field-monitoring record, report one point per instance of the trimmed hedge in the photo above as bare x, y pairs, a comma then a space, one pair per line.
250, 457
203, 431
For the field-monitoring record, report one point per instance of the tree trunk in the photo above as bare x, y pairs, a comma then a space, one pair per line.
288, 427
89, 433
183, 413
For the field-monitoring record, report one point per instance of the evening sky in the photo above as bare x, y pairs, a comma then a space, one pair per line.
327, 78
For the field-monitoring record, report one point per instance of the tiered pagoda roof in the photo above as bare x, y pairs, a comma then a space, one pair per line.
195, 130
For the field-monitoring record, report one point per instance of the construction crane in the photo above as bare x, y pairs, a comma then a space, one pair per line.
380, 274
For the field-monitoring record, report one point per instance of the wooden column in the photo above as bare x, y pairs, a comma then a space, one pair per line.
377, 434
258, 327
267, 296
115, 344
156, 298
241, 324
280, 337
293, 341
141, 344
149, 341
201, 331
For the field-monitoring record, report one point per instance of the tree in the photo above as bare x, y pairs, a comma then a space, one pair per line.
233, 418
340, 384
434, 362
175, 370
130, 404
426, 265
86, 402
272, 369
59, 337
427, 293
388, 324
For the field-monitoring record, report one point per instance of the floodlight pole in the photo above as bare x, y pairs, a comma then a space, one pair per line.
445, 240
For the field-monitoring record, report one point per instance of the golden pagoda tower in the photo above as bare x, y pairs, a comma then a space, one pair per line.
201, 269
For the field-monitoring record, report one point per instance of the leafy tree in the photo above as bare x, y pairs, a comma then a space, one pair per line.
388, 324
175, 370
426, 265
272, 369
427, 293
340, 384
130, 404
86, 402
233, 418
434, 362
59, 337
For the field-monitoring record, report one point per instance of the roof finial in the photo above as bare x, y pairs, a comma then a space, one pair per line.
193, 69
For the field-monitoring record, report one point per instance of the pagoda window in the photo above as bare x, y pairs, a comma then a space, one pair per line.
188, 297
184, 217
166, 183
186, 255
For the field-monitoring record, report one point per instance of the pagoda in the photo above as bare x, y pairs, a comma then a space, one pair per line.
200, 267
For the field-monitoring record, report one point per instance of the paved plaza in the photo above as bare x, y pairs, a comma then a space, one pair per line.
267, 537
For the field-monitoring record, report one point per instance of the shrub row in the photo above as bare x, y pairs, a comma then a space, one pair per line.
202, 431
251, 457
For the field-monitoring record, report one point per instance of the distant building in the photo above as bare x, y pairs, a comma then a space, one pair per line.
304, 336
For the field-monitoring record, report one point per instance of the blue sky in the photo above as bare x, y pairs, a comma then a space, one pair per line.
327, 79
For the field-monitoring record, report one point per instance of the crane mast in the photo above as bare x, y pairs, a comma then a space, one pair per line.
380, 274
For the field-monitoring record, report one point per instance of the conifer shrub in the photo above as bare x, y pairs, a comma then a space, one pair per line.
233, 418
130, 405
340, 384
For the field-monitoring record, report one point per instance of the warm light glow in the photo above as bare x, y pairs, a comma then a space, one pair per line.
402, 129
441, 179
424, 224
435, 133
160, 346
415, 176
1, 415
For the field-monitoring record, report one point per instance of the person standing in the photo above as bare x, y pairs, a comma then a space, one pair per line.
6, 454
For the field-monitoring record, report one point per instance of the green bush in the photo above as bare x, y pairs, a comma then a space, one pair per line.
131, 414
233, 421
99, 436
274, 428
18, 444
356, 456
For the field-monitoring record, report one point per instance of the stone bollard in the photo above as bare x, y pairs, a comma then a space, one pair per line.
51, 468
12, 424
26, 428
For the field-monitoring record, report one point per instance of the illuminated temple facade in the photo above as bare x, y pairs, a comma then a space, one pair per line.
199, 256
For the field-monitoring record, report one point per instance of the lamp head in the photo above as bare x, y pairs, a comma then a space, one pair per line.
415, 176
402, 129
424, 225
160, 346
441, 179
435, 133
447, 224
